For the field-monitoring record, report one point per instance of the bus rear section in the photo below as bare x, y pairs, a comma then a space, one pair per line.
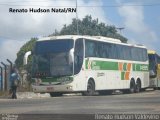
154, 69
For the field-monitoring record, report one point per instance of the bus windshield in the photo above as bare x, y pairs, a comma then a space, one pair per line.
51, 58
152, 62
152, 65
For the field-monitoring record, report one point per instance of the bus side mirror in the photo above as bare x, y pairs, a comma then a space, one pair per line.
25, 59
71, 56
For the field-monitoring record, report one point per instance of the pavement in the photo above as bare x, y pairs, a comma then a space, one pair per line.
138, 103
26, 95
32, 95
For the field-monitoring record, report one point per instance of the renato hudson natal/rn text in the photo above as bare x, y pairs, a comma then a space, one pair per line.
39, 10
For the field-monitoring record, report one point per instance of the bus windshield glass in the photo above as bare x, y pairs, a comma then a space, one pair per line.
51, 58
152, 62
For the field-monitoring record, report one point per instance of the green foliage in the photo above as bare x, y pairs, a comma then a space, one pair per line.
20, 55
89, 26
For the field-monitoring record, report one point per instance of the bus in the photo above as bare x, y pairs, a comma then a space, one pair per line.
88, 64
154, 69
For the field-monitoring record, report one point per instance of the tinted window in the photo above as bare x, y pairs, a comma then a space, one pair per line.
53, 46
90, 48
114, 51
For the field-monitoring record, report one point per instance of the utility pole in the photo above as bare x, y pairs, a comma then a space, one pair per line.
77, 19
5, 76
120, 29
1, 78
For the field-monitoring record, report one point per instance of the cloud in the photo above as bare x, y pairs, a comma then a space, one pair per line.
9, 48
26, 25
22, 26
134, 22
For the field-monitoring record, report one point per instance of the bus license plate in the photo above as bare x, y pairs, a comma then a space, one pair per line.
49, 88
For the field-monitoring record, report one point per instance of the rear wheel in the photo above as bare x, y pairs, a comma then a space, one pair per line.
55, 94
105, 92
132, 88
90, 89
155, 88
143, 89
138, 86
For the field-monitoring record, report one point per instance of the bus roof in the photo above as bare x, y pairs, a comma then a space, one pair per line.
79, 36
96, 38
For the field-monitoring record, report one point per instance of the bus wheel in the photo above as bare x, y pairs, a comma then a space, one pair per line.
132, 87
155, 88
143, 89
55, 94
90, 89
138, 86
105, 92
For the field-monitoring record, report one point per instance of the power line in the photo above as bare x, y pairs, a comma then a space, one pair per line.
34, 1
120, 5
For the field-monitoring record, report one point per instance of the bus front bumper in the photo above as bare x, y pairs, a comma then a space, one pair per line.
51, 88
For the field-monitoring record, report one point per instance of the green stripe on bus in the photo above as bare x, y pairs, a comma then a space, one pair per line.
125, 66
122, 75
101, 65
140, 67
108, 65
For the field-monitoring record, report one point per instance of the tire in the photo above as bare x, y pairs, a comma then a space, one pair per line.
143, 89
132, 88
105, 92
138, 86
55, 94
90, 89
155, 88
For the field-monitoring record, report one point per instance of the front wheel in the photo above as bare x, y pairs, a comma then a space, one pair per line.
55, 94
90, 89
105, 92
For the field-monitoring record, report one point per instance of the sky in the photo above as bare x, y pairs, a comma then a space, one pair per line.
139, 18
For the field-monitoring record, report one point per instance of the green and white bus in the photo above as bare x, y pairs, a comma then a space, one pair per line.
74, 63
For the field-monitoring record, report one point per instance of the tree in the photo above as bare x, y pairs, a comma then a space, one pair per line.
89, 26
20, 55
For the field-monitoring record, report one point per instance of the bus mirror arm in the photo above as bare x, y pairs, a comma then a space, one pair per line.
26, 55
